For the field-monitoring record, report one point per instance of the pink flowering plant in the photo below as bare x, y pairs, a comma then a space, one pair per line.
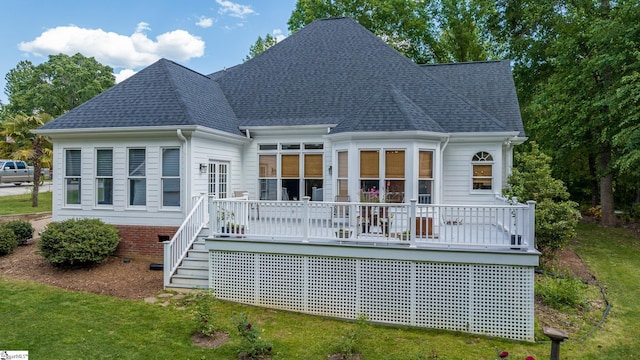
253, 345
203, 313
371, 195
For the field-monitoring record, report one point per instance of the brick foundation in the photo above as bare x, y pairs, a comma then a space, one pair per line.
138, 240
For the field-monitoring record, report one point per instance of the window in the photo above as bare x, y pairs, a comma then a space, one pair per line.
482, 178
294, 171
290, 174
369, 175
394, 176
343, 173
72, 176
104, 177
313, 176
21, 165
137, 177
170, 177
425, 177
268, 177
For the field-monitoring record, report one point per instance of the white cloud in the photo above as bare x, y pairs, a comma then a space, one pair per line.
123, 75
204, 22
234, 9
142, 26
116, 50
277, 33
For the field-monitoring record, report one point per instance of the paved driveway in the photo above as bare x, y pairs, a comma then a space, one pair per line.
10, 189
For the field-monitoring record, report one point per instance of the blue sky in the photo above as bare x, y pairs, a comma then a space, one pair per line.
204, 35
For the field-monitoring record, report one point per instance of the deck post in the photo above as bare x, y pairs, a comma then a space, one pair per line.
213, 215
166, 268
412, 223
305, 219
532, 224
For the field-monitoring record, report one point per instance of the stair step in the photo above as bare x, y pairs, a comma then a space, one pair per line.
193, 271
191, 280
198, 254
195, 262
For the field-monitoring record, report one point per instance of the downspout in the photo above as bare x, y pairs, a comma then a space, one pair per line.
186, 209
441, 170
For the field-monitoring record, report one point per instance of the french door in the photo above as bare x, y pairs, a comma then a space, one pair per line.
218, 179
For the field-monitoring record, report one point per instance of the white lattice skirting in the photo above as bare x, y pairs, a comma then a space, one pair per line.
494, 300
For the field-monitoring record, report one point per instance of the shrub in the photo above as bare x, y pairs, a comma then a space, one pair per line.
22, 229
253, 345
556, 216
203, 312
560, 293
8, 240
78, 242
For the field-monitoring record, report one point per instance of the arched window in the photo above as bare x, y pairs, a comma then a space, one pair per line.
482, 177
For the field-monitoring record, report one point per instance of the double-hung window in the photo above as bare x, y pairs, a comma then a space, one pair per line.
425, 177
291, 171
482, 177
394, 176
137, 181
370, 175
170, 177
104, 177
72, 176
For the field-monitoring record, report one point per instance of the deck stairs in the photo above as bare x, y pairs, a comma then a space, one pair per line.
193, 271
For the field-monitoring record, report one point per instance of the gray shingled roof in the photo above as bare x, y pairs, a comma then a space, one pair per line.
333, 71
163, 94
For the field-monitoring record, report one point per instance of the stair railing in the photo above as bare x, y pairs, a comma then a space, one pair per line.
176, 249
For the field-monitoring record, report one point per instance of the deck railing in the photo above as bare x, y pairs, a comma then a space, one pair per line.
504, 225
176, 249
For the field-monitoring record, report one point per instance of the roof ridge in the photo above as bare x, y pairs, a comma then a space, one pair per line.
183, 105
398, 95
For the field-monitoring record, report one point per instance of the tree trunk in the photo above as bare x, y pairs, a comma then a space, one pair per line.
37, 169
606, 187
593, 174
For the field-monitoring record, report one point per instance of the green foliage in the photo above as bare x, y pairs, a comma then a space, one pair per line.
560, 293
253, 345
203, 312
556, 216
350, 343
22, 229
80, 242
421, 30
260, 46
57, 85
8, 240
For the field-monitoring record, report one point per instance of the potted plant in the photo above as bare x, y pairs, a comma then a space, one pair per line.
343, 233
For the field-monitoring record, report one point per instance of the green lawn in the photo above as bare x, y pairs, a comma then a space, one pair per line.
21, 204
54, 324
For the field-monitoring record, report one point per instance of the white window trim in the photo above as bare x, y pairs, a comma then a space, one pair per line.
162, 178
130, 177
65, 177
482, 162
96, 178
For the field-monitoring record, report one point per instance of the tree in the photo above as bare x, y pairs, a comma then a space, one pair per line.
35, 149
556, 215
424, 31
37, 93
260, 46
570, 60
57, 85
